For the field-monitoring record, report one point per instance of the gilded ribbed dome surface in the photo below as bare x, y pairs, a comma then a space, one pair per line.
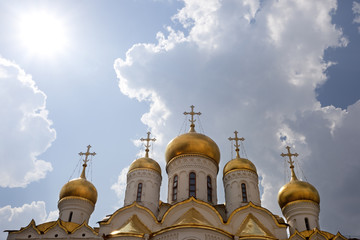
146, 163
192, 143
239, 164
297, 190
79, 187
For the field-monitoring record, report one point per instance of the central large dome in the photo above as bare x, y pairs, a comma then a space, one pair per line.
192, 143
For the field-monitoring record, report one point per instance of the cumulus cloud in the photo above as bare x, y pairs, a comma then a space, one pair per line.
120, 186
356, 12
25, 130
13, 217
253, 66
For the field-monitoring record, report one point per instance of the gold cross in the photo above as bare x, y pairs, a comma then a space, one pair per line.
86, 159
289, 154
237, 145
192, 120
147, 145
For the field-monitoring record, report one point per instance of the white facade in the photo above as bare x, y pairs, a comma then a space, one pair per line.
150, 182
235, 183
182, 167
302, 215
75, 210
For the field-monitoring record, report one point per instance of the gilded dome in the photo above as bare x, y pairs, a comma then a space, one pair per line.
192, 143
147, 163
79, 187
297, 190
239, 164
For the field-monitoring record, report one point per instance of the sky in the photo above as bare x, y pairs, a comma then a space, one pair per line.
74, 73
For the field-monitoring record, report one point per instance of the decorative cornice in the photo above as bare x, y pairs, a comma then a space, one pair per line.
146, 169
76, 198
300, 201
192, 155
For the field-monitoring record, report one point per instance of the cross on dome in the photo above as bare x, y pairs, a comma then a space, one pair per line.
236, 145
290, 161
192, 120
86, 160
147, 145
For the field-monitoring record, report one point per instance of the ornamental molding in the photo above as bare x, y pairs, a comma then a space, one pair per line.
193, 162
240, 174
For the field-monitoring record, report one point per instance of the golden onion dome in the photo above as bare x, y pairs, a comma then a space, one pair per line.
81, 188
239, 163
145, 163
296, 190
192, 143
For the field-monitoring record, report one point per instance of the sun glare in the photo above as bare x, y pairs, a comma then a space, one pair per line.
42, 33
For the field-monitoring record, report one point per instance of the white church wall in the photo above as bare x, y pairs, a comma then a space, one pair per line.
202, 167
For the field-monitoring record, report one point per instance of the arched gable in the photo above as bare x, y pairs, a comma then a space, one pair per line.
119, 218
318, 235
339, 236
263, 216
297, 236
133, 227
194, 210
30, 229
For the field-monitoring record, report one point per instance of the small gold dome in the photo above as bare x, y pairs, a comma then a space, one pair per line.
239, 164
192, 143
79, 187
147, 163
297, 190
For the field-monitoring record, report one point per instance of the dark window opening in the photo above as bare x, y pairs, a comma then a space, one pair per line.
70, 216
307, 224
243, 192
209, 189
139, 191
175, 188
192, 184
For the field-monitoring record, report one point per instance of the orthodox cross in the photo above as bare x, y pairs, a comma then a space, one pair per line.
237, 145
147, 145
192, 120
291, 162
86, 159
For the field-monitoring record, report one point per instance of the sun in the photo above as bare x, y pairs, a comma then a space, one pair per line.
42, 33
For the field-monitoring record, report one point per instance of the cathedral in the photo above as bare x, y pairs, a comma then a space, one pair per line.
191, 211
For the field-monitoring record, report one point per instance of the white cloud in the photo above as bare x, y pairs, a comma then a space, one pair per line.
25, 130
13, 217
120, 186
254, 66
356, 12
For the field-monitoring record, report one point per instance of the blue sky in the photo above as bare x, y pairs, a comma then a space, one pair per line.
279, 72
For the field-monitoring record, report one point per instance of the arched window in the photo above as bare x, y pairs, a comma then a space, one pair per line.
192, 184
175, 188
307, 224
243, 192
139, 191
209, 189
70, 216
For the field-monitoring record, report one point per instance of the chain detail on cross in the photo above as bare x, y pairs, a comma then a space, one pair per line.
236, 145
290, 161
192, 120
147, 145
87, 154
